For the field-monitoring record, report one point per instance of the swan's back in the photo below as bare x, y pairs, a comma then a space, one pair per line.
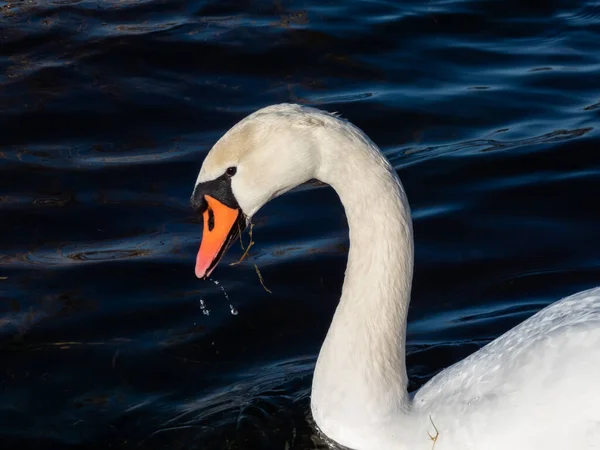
540, 381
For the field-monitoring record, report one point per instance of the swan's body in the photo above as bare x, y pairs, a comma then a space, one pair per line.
535, 387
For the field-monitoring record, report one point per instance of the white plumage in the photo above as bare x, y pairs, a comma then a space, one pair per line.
535, 387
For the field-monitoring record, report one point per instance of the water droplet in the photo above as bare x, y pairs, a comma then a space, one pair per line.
204, 309
221, 287
234, 312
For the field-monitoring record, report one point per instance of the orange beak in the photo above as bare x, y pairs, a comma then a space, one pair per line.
221, 227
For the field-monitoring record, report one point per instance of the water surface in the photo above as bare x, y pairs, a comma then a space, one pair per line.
488, 110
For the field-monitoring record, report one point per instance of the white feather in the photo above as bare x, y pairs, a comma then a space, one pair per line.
535, 387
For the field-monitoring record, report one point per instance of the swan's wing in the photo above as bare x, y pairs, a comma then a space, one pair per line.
540, 379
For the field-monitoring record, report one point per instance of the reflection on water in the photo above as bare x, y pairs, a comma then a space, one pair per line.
488, 110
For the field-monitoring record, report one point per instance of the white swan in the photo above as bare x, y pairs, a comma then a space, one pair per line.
535, 387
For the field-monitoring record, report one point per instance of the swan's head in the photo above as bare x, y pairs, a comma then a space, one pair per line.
266, 154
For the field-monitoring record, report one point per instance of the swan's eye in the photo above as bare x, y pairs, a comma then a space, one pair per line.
231, 171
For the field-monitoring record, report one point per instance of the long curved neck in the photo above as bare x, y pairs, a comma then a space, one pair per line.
360, 378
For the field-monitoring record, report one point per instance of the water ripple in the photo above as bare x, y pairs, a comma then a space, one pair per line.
488, 110
488, 145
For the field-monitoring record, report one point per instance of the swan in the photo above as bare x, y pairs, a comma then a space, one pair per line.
535, 387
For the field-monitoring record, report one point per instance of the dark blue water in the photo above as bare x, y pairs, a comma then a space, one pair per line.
489, 110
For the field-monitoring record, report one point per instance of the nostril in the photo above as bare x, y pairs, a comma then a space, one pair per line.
211, 219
